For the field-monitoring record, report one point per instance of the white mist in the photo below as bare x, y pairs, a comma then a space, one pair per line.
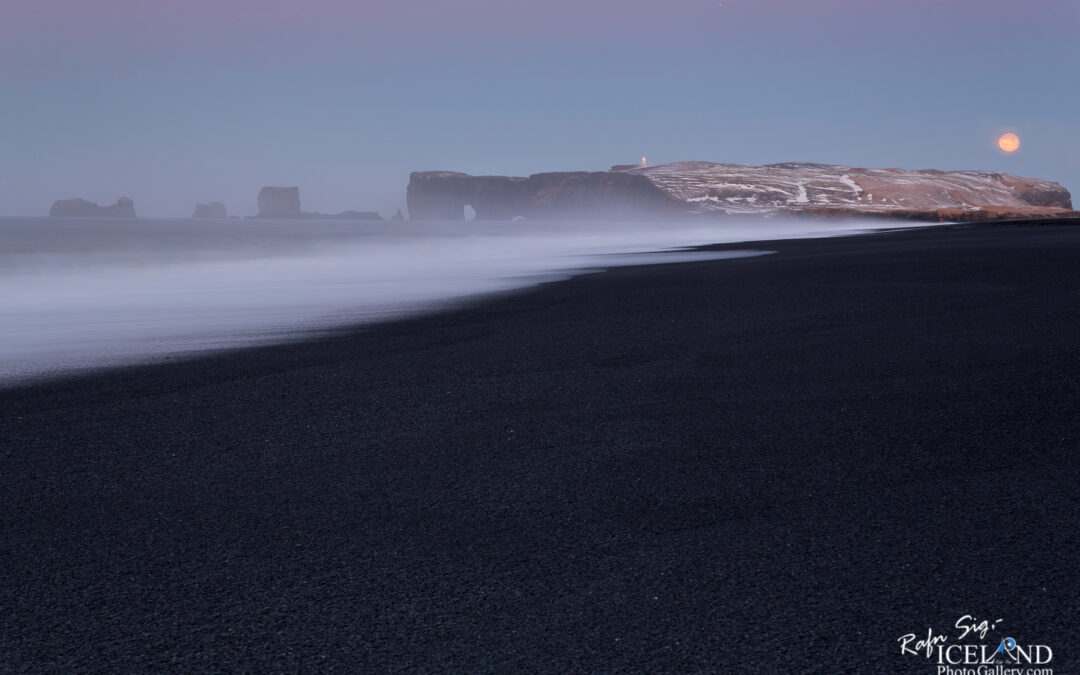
86, 293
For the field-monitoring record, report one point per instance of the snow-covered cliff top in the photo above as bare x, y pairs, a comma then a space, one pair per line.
733, 188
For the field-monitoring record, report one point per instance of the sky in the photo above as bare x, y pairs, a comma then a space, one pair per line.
174, 103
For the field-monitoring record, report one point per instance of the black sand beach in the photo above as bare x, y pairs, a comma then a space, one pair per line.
775, 464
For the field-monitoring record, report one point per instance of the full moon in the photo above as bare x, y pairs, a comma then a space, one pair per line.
1009, 142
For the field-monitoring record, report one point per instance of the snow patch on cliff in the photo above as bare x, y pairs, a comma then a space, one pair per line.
734, 188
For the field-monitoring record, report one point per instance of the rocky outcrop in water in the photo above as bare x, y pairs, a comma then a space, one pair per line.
690, 188
123, 208
347, 215
279, 202
210, 210
284, 202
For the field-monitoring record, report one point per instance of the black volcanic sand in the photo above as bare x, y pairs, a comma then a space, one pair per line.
776, 464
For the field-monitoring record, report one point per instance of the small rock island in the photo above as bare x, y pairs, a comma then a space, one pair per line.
279, 202
284, 202
80, 208
210, 210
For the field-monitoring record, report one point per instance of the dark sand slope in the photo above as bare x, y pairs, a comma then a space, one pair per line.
776, 464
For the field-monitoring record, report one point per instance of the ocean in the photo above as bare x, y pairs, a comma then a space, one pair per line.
87, 293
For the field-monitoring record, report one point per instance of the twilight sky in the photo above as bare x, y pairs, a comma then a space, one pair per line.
173, 103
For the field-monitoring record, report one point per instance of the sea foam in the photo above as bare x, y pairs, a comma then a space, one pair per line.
89, 293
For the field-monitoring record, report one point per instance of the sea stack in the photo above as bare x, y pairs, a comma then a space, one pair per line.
210, 210
80, 208
284, 202
279, 202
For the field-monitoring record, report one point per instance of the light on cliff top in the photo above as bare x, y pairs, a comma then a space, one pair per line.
643, 162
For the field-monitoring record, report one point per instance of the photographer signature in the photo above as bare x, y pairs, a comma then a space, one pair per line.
967, 625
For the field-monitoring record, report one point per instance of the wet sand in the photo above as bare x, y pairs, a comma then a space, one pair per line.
772, 464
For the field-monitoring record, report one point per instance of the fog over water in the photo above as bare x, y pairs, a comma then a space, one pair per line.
85, 293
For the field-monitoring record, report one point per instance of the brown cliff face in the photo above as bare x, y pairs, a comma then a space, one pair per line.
589, 195
1054, 199
701, 188
707, 187
982, 215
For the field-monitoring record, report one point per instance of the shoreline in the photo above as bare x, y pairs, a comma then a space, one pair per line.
778, 463
105, 297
